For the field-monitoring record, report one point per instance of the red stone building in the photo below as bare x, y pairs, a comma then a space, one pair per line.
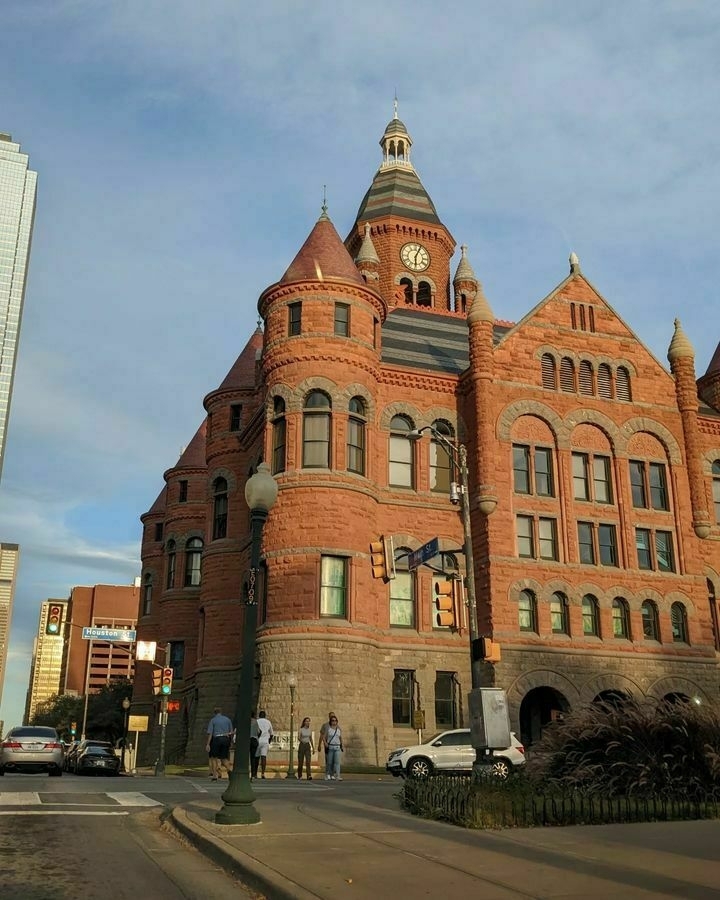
594, 494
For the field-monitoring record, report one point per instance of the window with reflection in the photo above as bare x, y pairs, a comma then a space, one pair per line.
342, 319
441, 463
401, 453
402, 592
279, 436
403, 689
316, 431
620, 618
590, 616
679, 623
333, 586
651, 621
716, 488
220, 508
527, 611
170, 565
445, 705
193, 561
559, 614
147, 595
356, 436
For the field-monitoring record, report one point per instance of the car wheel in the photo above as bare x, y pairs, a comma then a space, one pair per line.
419, 767
501, 768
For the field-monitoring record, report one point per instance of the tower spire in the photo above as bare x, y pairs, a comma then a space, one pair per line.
395, 106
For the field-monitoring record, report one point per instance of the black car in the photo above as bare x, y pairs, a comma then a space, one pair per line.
96, 759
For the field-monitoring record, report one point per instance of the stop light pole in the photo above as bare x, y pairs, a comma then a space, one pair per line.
160, 764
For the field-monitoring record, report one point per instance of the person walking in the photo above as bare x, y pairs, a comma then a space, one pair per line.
265, 733
323, 729
254, 759
219, 738
333, 748
305, 747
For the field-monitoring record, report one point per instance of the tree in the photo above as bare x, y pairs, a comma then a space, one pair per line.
105, 714
58, 712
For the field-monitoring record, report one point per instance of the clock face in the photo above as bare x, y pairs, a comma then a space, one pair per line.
415, 257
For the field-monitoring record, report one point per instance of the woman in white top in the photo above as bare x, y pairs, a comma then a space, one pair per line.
265, 733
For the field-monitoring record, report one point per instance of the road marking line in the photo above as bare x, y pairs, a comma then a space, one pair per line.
133, 798
60, 812
20, 798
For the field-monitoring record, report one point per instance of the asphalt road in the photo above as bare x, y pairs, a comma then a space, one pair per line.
100, 837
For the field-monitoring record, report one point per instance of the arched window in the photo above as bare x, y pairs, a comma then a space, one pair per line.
590, 616
316, 431
356, 436
549, 372
716, 489
441, 467
402, 592
605, 381
147, 595
678, 620
527, 611
559, 613
170, 570
586, 378
193, 558
622, 384
220, 508
407, 287
651, 624
401, 470
567, 375
714, 619
279, 436
424, 294
620, 618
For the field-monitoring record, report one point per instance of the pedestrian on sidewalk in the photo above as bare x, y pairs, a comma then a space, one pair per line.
254, 732
265, 735
219, 738
323, 729
333, 748
305, 747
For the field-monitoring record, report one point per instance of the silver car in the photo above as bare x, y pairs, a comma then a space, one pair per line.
451, 751
31, 748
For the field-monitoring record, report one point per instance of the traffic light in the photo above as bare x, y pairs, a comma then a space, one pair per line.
54, 619
446, 611
73, 729
166, 684
491, 651
382, 558
157, 680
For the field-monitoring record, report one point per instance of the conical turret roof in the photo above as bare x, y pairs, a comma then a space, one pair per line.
323, 257
242, 374
367, 252
714, 367
464, 270
193, 456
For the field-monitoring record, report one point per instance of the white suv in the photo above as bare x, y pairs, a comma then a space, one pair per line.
451, 751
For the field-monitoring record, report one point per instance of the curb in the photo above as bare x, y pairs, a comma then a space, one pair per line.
250, 871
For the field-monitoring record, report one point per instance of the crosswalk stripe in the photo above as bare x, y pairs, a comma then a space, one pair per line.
63, 812
19, 798
132, 798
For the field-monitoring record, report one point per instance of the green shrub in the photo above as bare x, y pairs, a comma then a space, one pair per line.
631, 748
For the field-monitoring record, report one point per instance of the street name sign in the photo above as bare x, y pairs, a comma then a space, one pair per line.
122, 635
423, 554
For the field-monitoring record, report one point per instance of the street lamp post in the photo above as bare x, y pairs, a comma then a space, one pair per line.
292, 684
238, 800
126, 711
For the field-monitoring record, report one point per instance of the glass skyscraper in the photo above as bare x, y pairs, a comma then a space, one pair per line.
17, 212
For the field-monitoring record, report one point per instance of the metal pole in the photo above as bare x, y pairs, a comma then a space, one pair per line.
87, 691
239, 798
475, 664
125, 736
160, 764
291, 758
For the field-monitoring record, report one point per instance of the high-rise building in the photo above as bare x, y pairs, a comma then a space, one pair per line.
17, 213
594, 496
9, 557
48, 651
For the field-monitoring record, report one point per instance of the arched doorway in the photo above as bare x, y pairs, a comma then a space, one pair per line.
540, 707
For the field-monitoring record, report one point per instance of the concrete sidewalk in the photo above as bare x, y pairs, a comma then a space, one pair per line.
327, 844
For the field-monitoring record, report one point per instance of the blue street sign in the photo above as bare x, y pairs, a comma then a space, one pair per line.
122, 635
423, 554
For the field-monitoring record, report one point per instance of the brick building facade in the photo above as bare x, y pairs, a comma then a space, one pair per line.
594, 495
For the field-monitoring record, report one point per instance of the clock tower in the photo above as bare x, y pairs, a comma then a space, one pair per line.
398, 220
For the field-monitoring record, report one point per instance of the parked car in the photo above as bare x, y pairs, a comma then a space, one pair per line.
97, 757
31, 748
451, 751
70, 751
79, 748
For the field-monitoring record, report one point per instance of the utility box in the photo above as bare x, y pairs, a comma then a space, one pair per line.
489, 719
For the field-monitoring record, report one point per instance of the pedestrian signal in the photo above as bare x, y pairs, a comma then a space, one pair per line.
445, 608
157, 680
382, 558
166, 685
54, 619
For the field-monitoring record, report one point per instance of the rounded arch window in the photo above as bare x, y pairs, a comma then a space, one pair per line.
170, 549
651, 626
279, 436
317, 424
193, 560
402, 592
620, 618
408, 289
678, 620
559, 613
590, 616
716, 488
220, 508
356, 436
424, 294
527, 611
401, 453
442, 472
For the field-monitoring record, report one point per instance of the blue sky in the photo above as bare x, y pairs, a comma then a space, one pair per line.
182, 150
